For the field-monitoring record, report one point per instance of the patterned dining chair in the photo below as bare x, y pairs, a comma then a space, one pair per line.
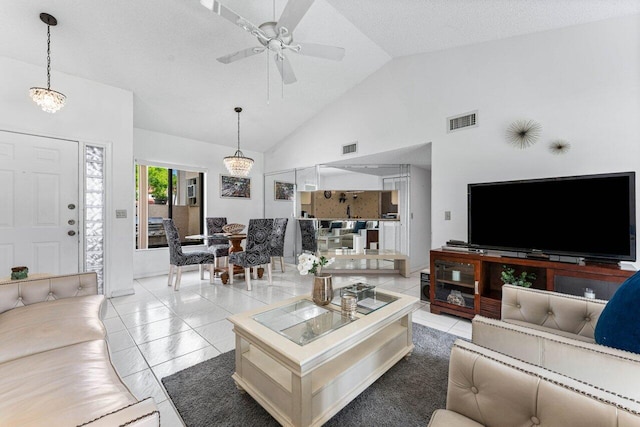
257, 252
218, 247
178, 259
277, 240
308, 234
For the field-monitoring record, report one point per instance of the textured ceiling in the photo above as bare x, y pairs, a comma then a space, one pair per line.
164, 52
407, 27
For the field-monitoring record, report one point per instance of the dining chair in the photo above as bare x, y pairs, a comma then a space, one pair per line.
257, 252
217, 246
308, 234
277, 240
178, 259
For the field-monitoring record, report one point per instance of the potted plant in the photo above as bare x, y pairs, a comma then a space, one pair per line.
509, 276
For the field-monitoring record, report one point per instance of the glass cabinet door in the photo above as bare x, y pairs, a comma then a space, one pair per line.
454, 283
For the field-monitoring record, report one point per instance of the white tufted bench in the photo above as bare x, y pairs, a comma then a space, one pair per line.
55, 367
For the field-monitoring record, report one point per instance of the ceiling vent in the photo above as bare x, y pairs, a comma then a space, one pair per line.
350, 148
464, 121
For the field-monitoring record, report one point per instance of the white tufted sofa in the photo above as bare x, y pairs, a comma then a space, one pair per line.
567, 315
487, 388
55, 367
555, 331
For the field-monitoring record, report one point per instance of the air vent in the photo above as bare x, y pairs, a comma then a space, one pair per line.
467, 120
350, 148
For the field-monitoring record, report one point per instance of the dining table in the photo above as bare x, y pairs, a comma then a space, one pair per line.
235, 240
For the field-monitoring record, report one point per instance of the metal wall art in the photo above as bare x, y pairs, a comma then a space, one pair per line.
523, 133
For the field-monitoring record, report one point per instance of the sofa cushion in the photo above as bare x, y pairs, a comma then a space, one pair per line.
445, 418
618, 325
550, 330
67, 386
48, 325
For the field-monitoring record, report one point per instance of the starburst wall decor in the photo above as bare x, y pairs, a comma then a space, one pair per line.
559, 146
523, 133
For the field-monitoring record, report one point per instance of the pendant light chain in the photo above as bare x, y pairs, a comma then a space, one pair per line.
239, 152
48, 57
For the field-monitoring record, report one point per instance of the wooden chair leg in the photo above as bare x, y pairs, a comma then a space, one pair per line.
170, 280
269, 274
282, 263
212, 272
178, 278
247, 277
255, 272
201, 268
230, 271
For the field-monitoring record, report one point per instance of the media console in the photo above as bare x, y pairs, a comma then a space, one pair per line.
466, 283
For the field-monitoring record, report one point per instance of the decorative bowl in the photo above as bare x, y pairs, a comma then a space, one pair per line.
233, 228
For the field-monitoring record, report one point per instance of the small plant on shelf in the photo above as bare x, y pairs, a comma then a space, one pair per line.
509, 276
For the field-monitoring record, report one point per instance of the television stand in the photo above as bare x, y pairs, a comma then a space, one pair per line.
604, 263
465, 284
537, 255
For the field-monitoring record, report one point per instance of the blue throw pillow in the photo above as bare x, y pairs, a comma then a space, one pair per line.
618, 325
360, 225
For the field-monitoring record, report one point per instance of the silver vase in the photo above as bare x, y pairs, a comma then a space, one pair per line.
322, 289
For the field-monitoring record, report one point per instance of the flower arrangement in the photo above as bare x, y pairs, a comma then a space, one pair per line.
309, 263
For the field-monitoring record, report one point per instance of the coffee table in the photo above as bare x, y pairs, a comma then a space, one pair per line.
303, 363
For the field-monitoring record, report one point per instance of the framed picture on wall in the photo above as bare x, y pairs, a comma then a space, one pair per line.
235, 187
283, 190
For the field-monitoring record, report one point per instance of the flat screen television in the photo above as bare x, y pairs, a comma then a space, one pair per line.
590, 216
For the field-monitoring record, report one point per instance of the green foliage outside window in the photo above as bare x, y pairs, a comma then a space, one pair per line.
158, 182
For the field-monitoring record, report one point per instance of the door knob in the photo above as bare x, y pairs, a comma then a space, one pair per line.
71, 233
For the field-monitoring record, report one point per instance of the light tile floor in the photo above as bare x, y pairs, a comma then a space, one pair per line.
158, 331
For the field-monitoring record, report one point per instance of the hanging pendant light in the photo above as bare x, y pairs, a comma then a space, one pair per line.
49, 100
238, 164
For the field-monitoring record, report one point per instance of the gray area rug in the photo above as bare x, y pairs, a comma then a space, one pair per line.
406, 395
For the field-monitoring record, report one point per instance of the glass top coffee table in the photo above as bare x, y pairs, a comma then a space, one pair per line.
303, 363
303, 321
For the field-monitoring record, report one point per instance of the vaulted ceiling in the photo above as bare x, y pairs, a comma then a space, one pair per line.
165, 51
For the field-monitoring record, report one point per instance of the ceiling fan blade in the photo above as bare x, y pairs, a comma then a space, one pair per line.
293, 13
241, 54
284, 67
218, 8
321, 51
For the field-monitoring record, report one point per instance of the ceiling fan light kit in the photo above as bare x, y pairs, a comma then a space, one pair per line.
275, 36
49, 100
238, 164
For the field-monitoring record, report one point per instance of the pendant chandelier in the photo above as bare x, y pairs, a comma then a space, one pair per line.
238, 164
49, 100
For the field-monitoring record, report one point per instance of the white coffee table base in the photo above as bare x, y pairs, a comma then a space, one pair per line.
311, 395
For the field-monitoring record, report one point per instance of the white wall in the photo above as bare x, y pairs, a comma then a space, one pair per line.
334, 179
581, 83
203, 156
282, 209
94, 113
420, 217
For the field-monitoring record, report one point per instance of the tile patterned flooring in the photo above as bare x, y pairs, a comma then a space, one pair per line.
158, 331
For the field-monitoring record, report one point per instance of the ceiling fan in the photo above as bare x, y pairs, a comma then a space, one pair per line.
276, 37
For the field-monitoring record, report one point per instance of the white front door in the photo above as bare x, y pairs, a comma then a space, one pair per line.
39, 210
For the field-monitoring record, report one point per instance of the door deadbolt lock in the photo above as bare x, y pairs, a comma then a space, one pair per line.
71, 206
71, 233
71, 222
